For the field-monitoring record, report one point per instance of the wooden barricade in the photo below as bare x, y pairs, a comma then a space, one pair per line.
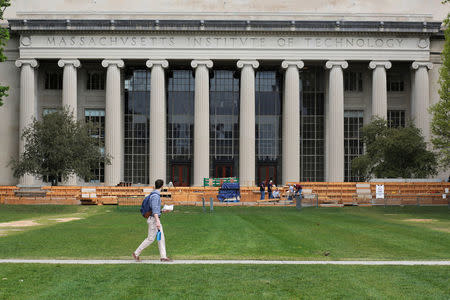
364, 194
314, 193
411, 193
7, 192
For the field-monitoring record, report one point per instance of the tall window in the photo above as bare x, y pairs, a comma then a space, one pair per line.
95, 81
312, 128
224, 124
268, 125
53, 80
353, 81
395, 82
97, 118
137, 118
396, 118
180, 126
353, 144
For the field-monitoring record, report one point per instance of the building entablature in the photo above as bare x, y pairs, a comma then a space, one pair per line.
224, 46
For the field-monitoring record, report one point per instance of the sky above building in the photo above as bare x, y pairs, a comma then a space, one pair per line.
398, 10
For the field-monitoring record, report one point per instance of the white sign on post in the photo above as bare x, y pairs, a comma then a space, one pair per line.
380, 191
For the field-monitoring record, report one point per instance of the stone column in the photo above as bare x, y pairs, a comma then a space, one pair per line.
28, 106
157, 120
327, 124
379, 90
201, 120
69, 95
291, 122
421, 97
247, 122
336, 120
113, 124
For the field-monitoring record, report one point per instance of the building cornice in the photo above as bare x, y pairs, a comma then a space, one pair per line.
52, 25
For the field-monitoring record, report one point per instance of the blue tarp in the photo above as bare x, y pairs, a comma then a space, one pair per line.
229, 191
230, 186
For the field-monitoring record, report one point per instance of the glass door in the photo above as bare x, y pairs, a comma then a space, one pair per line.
222, 171
180, 175
267, 172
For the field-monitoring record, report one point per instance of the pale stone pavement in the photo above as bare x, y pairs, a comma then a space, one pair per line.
231, 262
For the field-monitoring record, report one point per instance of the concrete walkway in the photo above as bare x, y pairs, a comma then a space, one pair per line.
231, 262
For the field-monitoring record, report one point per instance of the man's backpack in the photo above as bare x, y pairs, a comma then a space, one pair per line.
146, 208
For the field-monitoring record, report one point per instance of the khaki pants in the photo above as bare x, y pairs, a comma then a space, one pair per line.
152, 231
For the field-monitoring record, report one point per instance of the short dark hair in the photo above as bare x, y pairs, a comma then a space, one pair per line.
159, 183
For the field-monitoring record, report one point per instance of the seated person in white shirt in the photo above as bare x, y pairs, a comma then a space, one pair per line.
276, 193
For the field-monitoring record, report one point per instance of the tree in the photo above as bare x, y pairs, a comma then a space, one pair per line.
440, 122
394, 152
57, 147
4, 37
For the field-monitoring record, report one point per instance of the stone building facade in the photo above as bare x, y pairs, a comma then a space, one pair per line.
185, 90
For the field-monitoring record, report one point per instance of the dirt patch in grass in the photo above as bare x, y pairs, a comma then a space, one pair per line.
5, 231
447, 230
10, 227
421, 220
24, 223
63, 220
435, 226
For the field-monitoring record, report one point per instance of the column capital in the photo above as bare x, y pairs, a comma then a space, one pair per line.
161, 62
336, 63
253, 63
63, 62
295, 63
418, 64
32, 62
118, 62
380, 63
197, 62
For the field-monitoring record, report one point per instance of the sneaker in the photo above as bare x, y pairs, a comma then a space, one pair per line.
166, 259
136, 258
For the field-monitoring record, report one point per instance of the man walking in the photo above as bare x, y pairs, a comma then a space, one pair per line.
152, 211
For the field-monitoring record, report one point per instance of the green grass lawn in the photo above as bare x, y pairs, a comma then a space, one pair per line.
233, 233
228, 233
222, 282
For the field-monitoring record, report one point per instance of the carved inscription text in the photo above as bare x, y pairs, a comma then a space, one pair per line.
220, 42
